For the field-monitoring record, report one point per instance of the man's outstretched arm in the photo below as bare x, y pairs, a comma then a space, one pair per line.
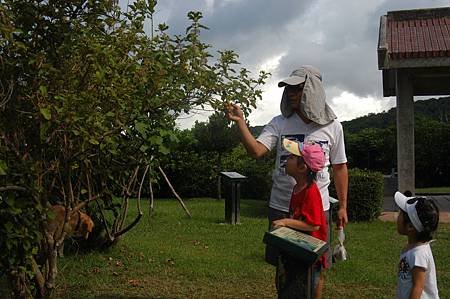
254, 148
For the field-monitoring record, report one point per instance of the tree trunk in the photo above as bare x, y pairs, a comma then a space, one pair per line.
18, 283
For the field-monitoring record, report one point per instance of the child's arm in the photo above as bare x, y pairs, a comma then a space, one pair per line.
295, 224
418, 280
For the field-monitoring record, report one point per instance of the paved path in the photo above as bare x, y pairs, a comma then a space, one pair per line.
442, 201
390, 208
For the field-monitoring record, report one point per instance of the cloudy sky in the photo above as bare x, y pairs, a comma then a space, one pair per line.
338, 37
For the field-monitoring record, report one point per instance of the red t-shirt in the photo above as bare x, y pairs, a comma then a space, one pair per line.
306, 205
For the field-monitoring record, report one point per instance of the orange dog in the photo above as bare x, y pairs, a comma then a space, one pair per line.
78, 225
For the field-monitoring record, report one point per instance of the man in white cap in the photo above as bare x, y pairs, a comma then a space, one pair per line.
306, 118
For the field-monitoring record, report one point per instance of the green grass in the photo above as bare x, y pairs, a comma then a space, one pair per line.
433, 190
172, 256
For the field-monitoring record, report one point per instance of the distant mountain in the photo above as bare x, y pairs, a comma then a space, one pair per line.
437, 109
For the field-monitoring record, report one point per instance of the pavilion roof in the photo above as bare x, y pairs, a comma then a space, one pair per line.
409, 38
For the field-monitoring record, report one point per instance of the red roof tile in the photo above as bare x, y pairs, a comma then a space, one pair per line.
418, 33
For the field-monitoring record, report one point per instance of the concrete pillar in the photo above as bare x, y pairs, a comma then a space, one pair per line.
405, 131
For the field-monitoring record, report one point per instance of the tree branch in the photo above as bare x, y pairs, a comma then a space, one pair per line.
174, 192
14, 188
140, 188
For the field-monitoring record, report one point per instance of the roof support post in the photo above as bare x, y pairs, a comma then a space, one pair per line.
405, 131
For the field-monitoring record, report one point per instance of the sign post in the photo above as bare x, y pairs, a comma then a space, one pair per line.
232, 198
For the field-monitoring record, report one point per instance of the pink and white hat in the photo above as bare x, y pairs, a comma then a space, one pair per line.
312, 154
408, 205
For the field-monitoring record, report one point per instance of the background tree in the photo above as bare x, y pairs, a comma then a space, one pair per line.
432, 143
196, 160
372, 148
208, 148
217, 137
88, 104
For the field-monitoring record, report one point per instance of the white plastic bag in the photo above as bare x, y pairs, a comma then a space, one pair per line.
339, 251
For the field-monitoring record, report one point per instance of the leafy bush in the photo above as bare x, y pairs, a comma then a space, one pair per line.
195, 174
258, 172
192, 174
88, 101
365, 194
19, 216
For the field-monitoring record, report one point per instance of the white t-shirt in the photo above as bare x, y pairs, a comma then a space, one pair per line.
329, 136
419, 256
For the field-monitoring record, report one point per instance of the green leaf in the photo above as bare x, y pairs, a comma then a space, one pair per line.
10, 200
43, 130
173, 138
112, 151
100, 75
141, 128
43, 90
164, 150
46, 113
93, 141
3, 167
156, 140
8, 226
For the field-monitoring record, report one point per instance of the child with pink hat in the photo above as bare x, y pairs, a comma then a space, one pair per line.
306, 214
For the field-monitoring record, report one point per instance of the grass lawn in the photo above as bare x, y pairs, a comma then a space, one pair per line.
172, 256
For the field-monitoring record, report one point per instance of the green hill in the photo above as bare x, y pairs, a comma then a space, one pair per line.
436, 109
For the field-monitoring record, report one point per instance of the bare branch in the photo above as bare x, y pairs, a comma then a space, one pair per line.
130, 226
151, 208
174, 192
140, 188
126, 197
14, 188
85, 202
105, 224
40, 280
6, 94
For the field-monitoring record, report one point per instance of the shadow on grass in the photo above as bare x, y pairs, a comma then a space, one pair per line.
254, 209
250, 209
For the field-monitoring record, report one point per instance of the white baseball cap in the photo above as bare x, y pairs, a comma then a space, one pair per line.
408, 205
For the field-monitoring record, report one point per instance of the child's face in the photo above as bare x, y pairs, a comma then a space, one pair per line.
402, 227
294, 165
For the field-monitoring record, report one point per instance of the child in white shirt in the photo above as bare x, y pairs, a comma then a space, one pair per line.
418, 219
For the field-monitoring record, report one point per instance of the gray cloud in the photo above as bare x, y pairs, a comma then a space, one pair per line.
339, 37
